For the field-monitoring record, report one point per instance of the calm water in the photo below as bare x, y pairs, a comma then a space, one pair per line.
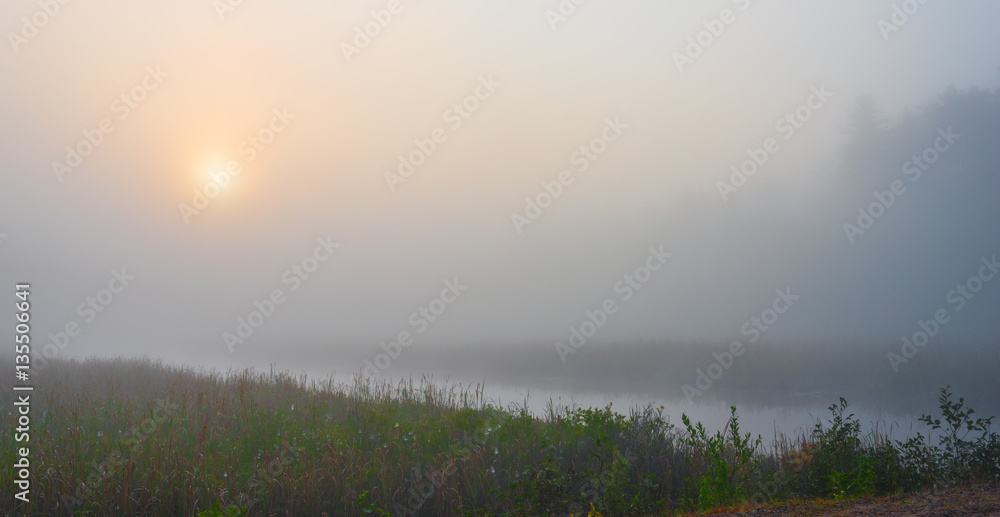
764, 416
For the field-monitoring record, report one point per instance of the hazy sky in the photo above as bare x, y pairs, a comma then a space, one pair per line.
330, 113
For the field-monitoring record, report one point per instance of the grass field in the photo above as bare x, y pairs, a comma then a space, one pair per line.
134, 437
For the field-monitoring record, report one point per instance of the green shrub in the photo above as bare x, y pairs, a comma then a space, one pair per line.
723, 463
961, 459
280, 446
216, 511
840, 466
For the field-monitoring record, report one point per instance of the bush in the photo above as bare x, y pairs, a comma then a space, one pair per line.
278, 446
724, 464
840, 465
961, 459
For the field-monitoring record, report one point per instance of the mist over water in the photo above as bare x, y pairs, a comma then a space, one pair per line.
692, 204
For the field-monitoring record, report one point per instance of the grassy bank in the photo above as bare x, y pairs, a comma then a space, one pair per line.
135, 437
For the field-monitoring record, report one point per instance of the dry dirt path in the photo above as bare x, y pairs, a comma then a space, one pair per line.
957, 502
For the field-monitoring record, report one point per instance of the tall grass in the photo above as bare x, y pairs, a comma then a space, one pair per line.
136, 437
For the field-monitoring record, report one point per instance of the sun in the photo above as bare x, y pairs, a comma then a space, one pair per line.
217, 176
213, 184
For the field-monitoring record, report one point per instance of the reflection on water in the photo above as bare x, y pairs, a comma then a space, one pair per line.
766, 419
777, 388
769, 416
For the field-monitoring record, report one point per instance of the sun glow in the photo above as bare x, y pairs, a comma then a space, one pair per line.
213, 170
213, 183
